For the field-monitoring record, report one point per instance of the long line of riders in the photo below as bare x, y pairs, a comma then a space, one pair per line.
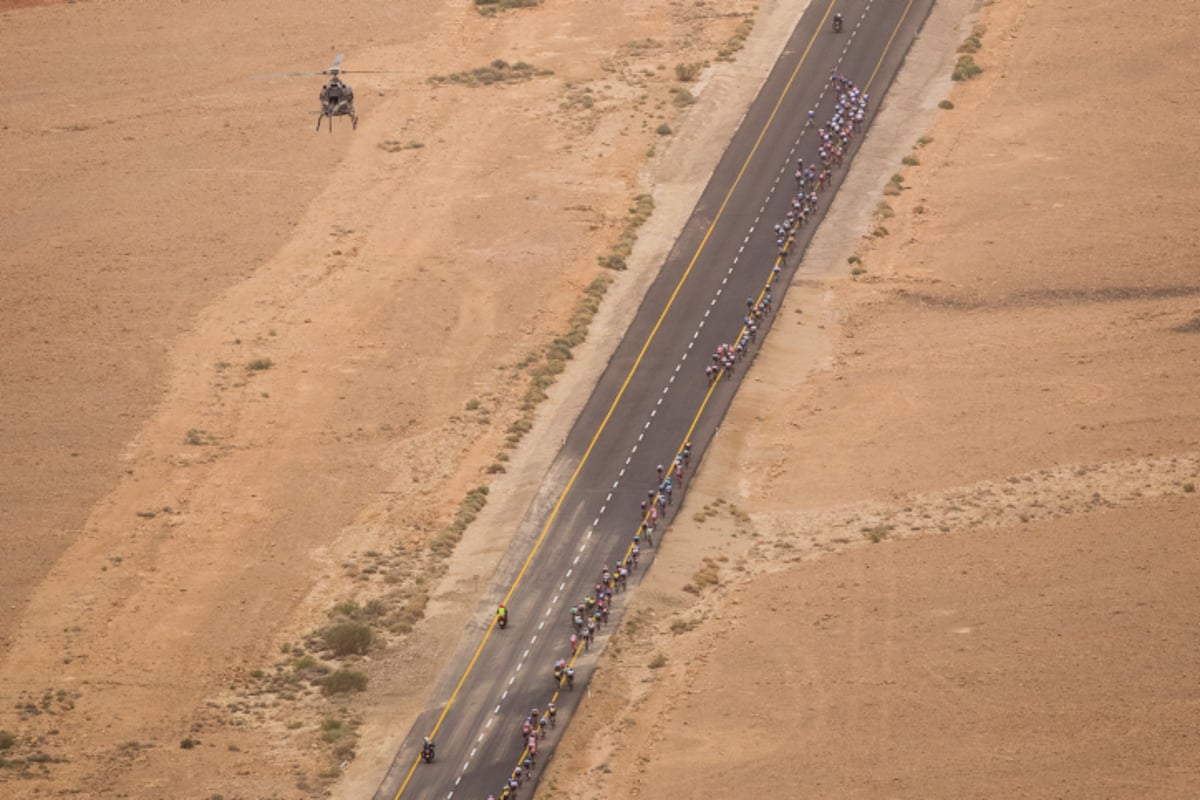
591, 614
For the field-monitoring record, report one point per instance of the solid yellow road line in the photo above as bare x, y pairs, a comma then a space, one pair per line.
620, 393
887, 46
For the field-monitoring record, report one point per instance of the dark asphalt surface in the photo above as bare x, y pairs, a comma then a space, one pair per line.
644, 407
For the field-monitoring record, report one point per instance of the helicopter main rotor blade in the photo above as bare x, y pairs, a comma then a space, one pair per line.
337, 62
289, 75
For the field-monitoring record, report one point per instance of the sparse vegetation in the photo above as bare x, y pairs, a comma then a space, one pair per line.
738, 40
946, 104
910, 161
683, 98
877, 533
686, 73
343, 681
7, 740
658, 662
1189, 487
663, 130
406, 617
333, 729
854, 260
303, 663
188, 743
965, 69
347, 638
640, 46
974, 42
394, 146
489, 7
468, 509
499, 71
643, 207
583, 98
260, 364
197, 437
859, 271
708, 575
345, 608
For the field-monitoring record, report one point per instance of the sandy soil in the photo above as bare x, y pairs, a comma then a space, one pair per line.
973, 506
943, 546
250, 371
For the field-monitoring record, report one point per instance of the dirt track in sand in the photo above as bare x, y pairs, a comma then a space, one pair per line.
954, 557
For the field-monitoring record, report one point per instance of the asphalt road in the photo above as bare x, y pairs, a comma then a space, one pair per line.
652, 397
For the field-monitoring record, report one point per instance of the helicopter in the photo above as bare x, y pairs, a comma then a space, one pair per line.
337, 98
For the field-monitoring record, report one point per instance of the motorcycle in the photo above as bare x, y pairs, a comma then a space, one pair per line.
837, 23
427, 753
502, 621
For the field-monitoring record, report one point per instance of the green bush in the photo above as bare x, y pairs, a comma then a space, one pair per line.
946, 105
344, 608
346, 638
683, 98
7, 740
343, 681
965, 69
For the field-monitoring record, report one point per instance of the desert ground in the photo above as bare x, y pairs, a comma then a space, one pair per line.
251, 374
